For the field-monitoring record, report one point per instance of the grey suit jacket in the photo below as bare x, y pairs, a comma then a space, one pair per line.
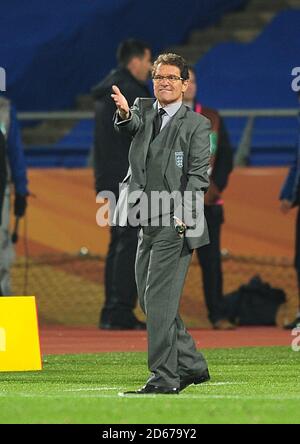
188, 138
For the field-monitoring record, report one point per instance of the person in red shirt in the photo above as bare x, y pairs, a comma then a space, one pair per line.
221, 166
290, 199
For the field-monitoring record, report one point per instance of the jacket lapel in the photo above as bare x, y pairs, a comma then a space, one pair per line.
149, 116
175, 124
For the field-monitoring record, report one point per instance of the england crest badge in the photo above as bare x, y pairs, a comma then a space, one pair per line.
179, 158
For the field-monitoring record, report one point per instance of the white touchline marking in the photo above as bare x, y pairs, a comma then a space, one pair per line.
91, 389
247, 397
174, 397
53, 395
228, 383
95, 389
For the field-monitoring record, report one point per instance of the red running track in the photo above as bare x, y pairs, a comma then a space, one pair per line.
61, 340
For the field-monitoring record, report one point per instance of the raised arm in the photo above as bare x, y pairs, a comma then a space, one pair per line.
127, 119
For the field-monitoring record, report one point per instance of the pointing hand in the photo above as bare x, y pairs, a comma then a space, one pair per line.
121, 103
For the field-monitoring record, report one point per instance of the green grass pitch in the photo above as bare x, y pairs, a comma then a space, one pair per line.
248, 385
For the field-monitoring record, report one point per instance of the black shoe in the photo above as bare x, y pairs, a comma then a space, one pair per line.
188, 380
136, 325
149, 389
292, 325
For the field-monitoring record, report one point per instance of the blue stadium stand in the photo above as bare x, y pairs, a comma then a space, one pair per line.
274, 141
257, 75
72, 151
235, 127
63, 48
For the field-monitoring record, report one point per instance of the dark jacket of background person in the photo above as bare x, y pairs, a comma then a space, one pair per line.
111, 149
14, 149
290, 193
14, 154
290, 189
3, 172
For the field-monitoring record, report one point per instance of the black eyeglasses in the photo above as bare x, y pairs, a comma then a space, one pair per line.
170, 78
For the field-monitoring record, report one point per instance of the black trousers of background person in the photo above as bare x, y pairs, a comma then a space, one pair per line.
120, 285
210, 261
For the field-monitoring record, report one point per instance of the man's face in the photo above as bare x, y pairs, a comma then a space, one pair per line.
144, 65
191, 91
169, 91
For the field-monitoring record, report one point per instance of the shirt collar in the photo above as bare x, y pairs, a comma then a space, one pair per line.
170, 109
190, 105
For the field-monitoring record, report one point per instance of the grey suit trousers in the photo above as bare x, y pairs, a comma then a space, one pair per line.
162, 261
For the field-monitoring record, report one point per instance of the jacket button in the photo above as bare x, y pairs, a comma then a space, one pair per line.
141, 186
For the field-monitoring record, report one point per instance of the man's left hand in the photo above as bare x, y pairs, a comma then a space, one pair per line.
20, 205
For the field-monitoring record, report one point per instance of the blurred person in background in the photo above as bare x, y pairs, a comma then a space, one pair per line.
3, 171
290, 198
209, 256
15, 173
110, 167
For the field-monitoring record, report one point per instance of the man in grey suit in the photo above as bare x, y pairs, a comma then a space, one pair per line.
169, 154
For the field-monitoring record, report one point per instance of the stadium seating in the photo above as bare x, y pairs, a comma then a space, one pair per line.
61, 60
257, 75
53, 52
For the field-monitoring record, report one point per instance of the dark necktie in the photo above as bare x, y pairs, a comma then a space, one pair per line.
157, 122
